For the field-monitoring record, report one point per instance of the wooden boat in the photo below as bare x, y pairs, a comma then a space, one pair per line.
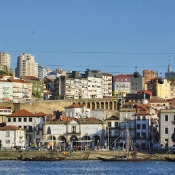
129, 156
43, 158
125, 159
171, 159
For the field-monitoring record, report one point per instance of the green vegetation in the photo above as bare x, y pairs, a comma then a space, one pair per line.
171, 79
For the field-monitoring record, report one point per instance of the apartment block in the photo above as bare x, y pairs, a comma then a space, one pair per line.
5, 60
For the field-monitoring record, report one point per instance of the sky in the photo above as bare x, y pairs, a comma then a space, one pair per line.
113, 36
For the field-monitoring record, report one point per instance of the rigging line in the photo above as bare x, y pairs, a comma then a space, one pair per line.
117, 138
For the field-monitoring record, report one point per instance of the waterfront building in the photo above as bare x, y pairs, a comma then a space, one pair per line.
12, 136
112, 132
37, 86
167, 127
26, 66
74, 132
121, 84
5, 61
31, 123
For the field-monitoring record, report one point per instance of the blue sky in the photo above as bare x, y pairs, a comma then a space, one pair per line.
113, 36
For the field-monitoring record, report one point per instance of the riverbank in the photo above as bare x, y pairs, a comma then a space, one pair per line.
77, 155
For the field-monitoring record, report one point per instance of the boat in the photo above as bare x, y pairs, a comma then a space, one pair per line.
124, 159
171, 159
129, 155
43, 158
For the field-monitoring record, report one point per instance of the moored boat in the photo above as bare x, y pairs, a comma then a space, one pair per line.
43, 158
171, 159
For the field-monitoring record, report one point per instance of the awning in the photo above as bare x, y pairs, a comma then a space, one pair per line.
83, 141
51, 141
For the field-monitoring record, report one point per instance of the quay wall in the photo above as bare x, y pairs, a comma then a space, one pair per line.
76, 155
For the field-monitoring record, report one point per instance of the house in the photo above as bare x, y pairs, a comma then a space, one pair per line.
12, 136
3, 112
31, 123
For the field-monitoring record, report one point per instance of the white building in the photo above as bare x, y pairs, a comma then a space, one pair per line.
74, 132
77, 111
26, 66
5, 60
42, 72
107, 85
4, 111
32, 123
11, 136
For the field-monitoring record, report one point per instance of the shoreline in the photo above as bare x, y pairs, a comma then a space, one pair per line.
78, 155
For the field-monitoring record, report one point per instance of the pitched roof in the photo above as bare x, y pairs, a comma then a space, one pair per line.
75, 105
3, 107
113, 118
9, 127
21, 113
39, 114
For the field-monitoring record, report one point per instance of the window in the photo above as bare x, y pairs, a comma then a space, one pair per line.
144, 118
7, 133
166, 117
138, 126
25, 119
9, 119
30, 119
73, 128
14, 119
143, 135
109, 124
8, 141
166, 130
116, 124
143, 126
174, 118
138, 117
19, 119
37, 132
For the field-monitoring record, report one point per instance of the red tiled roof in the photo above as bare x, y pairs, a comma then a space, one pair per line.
21, 113
30, 78
17, 81
39, 114
9, 128
3, 107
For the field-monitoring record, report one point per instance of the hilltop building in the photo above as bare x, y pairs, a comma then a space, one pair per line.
5, 61
26, 66
170, 73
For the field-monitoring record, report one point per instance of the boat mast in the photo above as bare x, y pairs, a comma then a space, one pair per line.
127, 141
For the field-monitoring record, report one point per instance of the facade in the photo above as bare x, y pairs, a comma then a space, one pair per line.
31, 123
22, 90
37, 86
159, 90
121, 84
6, 91
5, 60
4, 111
136, 84
74, 132
26, 66
76, 85
12, 136
107, 85
167, 125
77, 111
148, 75
41, 72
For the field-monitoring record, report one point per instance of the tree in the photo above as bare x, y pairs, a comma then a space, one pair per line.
173, 137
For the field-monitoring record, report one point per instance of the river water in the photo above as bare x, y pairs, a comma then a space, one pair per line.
88, 167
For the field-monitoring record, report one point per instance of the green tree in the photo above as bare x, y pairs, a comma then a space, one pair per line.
171, 79
173, 137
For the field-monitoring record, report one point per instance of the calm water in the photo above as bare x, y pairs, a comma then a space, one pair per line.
86, 167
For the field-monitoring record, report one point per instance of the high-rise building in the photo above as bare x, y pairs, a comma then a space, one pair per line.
170, 73
26, 66
5, 61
